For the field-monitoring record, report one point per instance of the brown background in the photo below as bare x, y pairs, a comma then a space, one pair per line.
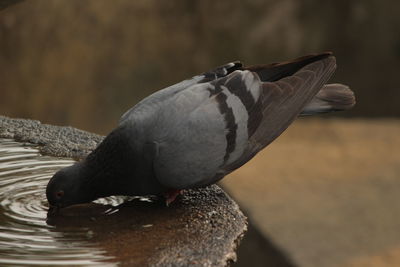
83, 63
326, 193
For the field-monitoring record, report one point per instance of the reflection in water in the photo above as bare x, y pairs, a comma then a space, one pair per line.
25, 237
129, 230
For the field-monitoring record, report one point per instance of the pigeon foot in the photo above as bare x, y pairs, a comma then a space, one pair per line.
171, 195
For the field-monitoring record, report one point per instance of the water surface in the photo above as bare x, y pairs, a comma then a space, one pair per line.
26, 236
123, 231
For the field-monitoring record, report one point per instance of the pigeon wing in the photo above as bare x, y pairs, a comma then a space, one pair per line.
215, 126
281, 100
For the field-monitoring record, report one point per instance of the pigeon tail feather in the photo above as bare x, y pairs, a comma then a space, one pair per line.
332, 97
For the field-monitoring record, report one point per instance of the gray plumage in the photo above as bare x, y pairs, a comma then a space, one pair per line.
195, 132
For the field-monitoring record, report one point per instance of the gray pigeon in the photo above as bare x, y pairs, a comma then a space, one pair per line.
195, 132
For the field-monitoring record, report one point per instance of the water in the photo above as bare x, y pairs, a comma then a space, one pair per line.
132, 231
26, 236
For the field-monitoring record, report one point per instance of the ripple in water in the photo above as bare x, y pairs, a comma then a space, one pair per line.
25, 237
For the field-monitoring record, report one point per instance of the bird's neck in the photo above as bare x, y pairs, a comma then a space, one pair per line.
110, 168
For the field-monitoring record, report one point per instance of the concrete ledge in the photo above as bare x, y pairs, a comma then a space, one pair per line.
52, 140
202, 228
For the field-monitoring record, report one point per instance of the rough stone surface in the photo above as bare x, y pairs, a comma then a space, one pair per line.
52, 140
202, 228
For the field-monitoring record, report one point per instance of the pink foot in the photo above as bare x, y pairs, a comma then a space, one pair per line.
171, 195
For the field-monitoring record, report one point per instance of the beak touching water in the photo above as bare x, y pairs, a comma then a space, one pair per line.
53, 210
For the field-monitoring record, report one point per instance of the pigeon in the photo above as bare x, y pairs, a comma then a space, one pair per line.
194, 133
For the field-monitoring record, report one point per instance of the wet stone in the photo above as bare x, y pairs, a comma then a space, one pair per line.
203, 227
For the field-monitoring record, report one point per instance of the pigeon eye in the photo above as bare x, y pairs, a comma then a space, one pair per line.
59, 194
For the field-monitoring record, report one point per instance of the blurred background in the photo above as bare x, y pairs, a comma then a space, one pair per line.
84, 63
326, 193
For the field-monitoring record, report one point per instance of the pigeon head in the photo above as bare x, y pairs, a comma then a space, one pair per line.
65, 188
107, 170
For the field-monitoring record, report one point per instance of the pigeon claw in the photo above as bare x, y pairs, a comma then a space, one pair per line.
171, 195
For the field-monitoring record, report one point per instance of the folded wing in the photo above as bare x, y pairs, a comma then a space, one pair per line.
234, 114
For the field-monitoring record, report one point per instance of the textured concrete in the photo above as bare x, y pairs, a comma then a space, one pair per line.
202, 228
52, 140
327, 192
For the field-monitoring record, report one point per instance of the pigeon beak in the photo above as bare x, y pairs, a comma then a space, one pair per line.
53, 210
